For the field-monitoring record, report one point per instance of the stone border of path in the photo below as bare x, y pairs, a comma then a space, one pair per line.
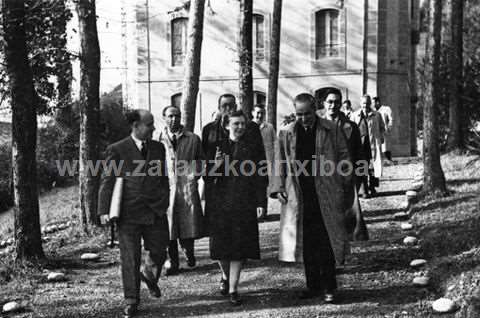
7, 245
422, 280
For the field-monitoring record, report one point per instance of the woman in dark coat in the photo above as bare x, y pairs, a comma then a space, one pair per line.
232, 212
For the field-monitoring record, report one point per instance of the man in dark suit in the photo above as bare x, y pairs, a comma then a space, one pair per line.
145, 197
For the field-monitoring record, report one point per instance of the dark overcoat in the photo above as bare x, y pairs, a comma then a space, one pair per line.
236, 194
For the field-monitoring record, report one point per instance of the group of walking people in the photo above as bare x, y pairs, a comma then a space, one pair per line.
320, 212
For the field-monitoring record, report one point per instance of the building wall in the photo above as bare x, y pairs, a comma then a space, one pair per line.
151, 80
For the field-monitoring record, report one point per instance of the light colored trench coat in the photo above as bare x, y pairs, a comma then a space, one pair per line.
376, 130
185, 216
387, 117
332, 192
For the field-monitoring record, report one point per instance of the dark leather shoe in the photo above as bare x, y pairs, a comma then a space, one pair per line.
235, 299
172, 271
191, 261
309, 294
130, 311
224, 286
152, 286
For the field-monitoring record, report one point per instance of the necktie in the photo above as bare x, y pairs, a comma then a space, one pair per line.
144, 150
174, 142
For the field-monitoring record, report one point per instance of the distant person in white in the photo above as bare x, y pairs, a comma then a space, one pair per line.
269, 138
387, 117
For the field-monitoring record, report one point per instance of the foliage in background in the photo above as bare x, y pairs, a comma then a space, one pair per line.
471, 69
59, 142
46, 41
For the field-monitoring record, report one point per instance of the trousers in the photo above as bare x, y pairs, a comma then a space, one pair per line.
155, 240
318, 257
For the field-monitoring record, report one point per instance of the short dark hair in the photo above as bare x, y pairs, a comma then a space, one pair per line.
367, 97
261, 106
132, 116
164, 111
332, 90
305, 98
348, 102
376, 99
226, 95
237, 113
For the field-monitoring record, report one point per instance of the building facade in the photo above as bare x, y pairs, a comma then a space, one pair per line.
358, 46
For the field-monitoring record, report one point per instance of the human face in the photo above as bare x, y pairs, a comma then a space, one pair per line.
366, 104
346, 107
332, 104
258, 114
377, 104
236, 127
227, 105
172, 119
305, 114
144, 128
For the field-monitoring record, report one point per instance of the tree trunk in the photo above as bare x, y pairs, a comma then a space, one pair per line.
24, 133
434, 179
89, 109
192, 63
246, 57
274, 63
456, 119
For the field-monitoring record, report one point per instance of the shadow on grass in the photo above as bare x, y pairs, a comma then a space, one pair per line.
451, 238
443, 203
278, 298
68, 263
458, 182
256, 300
381, 260
390, 193
374, 213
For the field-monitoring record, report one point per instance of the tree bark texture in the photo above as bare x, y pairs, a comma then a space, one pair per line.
24, 133
457, 120
434, 179
274, 63
89, 109
192, 63
246, 57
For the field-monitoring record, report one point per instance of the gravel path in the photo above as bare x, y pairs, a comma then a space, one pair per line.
376, 281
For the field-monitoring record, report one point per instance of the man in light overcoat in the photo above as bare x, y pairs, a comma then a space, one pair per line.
314, 198
387, 117
372, 129
184, 162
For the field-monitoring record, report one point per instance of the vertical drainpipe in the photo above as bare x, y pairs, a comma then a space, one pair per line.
147, 19
365, 48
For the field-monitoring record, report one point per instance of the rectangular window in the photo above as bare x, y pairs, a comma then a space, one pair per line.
179, 41
328, 37
258, 37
